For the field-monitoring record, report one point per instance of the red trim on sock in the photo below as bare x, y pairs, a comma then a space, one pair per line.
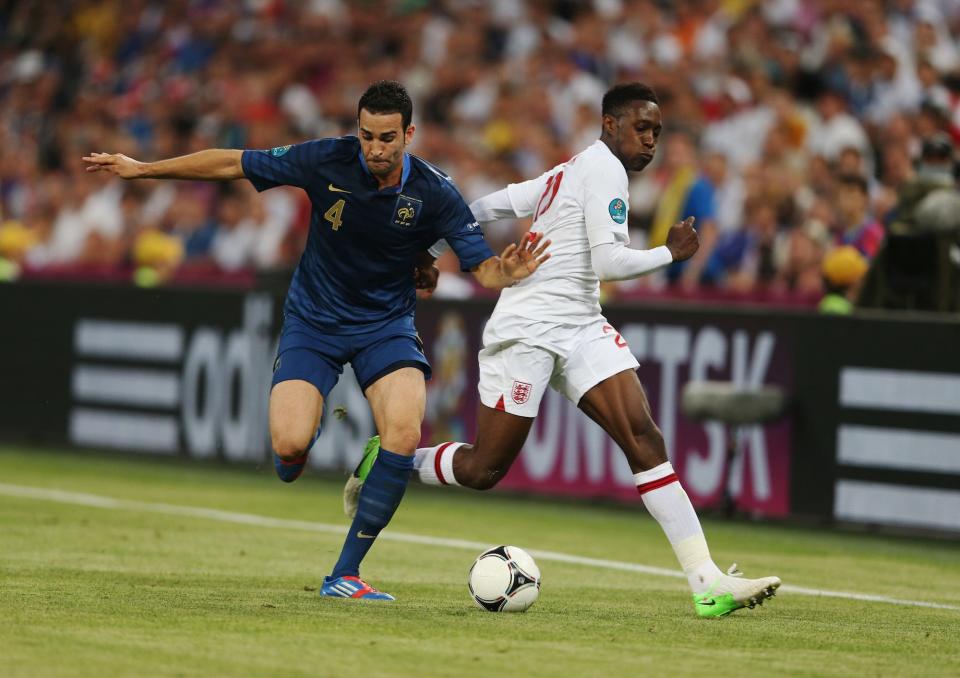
656, 484
436, 463
500, 406
302, 459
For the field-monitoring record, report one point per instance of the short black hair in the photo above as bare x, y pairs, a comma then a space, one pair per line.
385, 97
619, 97
857, 181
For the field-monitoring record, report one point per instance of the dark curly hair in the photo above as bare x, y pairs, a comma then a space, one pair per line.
387, 96
619, 97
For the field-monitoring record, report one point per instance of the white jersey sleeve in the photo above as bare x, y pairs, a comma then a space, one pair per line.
489, 208
615, 261
525, 196
605, 202
493, 206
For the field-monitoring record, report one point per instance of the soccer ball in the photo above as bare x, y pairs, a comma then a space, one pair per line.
504, 579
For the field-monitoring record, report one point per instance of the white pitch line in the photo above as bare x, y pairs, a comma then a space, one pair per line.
99, 501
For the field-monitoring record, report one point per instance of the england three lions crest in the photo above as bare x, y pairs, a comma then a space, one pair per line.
407, 211
521, 392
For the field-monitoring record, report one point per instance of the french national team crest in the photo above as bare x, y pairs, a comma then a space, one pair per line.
521, 392
407, 211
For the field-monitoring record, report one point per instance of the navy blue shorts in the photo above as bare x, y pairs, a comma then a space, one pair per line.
317, 357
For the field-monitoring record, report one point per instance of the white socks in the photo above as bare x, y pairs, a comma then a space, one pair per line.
435, 464
670, 506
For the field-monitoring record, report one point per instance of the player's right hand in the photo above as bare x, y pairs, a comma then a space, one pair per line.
425, 280
682, 239
521, 261
123, 166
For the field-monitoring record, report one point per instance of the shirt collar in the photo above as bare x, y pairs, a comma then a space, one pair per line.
404, 174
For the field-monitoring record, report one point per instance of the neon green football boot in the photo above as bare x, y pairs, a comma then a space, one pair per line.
351, 491
731, 592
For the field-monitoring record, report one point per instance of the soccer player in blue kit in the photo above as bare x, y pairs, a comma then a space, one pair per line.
376, 209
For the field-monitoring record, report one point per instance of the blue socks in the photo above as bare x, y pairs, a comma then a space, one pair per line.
290, 470
379, 498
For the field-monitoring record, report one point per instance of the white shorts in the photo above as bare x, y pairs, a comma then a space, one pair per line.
520, 358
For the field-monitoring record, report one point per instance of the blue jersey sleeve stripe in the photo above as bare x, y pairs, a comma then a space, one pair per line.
471, 251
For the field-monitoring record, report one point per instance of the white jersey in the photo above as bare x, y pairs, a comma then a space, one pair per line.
577, 205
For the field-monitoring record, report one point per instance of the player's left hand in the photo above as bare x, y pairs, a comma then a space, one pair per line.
123, 166
425, 280
682, 240
521, 261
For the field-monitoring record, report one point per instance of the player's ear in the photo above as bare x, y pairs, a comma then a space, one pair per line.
408, 134
610, 124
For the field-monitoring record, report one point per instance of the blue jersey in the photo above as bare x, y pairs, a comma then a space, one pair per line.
356, 273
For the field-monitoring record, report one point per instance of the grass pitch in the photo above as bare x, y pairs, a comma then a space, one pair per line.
108, 591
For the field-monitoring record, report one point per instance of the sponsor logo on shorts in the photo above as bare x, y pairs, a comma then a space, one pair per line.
521, 392
279, 150
276, 364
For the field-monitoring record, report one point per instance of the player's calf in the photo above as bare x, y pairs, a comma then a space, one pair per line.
472, 471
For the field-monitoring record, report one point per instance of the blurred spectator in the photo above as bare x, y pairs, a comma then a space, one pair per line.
855, 226
801, 270
703, 203
835, 129
918, 266
187, 219
748, 257
236, 234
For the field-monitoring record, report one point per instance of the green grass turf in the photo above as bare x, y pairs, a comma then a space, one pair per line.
99, 592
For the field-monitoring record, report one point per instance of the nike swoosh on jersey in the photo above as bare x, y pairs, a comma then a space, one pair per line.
361, 535
334, 189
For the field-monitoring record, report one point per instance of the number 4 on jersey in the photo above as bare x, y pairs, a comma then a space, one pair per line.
333, 214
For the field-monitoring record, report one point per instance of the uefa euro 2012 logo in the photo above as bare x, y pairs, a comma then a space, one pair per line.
618, 210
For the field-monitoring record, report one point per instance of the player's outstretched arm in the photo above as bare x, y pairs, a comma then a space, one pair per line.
210, 165
515, 263
616, 261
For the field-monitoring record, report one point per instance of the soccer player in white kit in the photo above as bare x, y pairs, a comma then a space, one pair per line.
549, 330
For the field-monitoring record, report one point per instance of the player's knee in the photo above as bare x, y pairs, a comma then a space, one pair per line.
402, 439
288, 446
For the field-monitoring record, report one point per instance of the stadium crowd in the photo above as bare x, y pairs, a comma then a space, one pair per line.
791, 126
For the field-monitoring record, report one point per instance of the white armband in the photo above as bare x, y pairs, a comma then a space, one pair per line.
438, 248
615, 261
